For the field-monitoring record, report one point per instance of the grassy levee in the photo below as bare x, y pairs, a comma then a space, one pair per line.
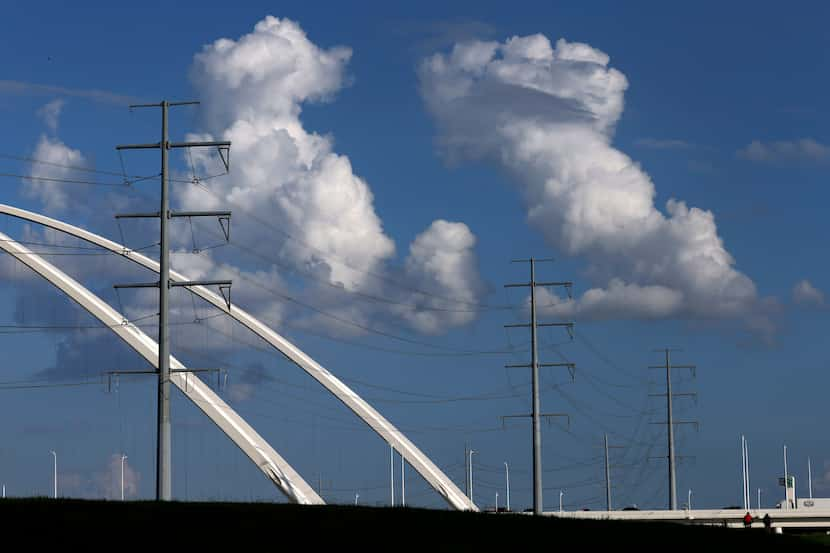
272, 527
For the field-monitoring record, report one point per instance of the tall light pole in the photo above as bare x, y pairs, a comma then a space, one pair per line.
759, 499
472, 452
403, 481
392, 472
55, 455
356, 497
689, 501
561, 493
810, 477
507, 481
786, 481
123, 458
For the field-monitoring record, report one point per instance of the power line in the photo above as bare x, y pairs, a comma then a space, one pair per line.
332, 257
37, 161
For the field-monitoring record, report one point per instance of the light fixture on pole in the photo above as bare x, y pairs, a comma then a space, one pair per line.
55, 455
123, 458
472, 452
507, 481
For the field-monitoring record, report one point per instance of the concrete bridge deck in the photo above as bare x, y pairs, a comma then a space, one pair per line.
803, 518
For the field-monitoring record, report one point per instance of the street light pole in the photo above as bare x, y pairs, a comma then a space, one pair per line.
561, 493
472, 452
55, 455
507, 480
356, 496
689, 501
123, 458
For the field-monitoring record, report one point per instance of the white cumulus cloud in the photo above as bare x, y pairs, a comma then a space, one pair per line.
546, 113
44, 183
253, 89
804, 293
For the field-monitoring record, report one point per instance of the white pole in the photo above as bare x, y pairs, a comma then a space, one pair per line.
472, 452
507, 480
55, 455
743, 469
748, 488
392, 472
4, 491
689, 501
497, 502
759, 499
123, 457
786, 481
561, 493
357, 495
810, 477
403, 483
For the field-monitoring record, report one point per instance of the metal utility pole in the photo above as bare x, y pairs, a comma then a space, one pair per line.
786, 481
164, 448
392, 473
403, 481
607, 478
608, 472
507, 481
472, 452
55, 455
561, 494
809, 478
123, 458
534, 365
466, 471
670, 422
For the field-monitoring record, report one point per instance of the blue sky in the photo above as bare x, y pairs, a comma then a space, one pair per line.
722, 110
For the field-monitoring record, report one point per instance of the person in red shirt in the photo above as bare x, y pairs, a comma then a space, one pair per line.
747, 520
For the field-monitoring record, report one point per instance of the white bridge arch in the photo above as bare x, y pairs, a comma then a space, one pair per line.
291, 483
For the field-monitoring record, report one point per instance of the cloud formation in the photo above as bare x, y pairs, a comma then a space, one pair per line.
93, 94
253, 90
51, 112
44, 184
546, 113
804, 293
802, 150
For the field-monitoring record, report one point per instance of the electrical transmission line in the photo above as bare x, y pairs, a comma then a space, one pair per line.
164, 447
536, 414
670, 422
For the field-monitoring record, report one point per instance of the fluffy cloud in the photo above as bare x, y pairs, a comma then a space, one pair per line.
441, 261
51, 112
803, 150
253, 90
546, 113
804, 293
59, 158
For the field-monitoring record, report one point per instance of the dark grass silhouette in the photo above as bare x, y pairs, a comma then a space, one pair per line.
115, 525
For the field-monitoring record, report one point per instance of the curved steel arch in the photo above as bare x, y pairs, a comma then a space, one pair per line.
240, 432
436, 478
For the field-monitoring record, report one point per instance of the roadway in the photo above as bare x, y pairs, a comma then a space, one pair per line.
803, 518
